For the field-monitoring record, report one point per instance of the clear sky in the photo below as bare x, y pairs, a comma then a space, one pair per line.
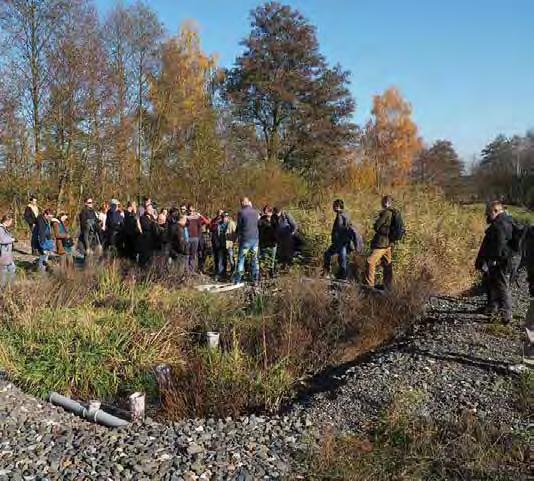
466, 66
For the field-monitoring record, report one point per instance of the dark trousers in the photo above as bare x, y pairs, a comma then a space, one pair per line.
498, 288
192, 247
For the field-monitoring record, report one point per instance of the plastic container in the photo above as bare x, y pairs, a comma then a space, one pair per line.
213, 340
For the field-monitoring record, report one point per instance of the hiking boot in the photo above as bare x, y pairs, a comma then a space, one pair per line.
528, 354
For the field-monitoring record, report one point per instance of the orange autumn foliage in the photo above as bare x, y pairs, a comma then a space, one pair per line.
391, 138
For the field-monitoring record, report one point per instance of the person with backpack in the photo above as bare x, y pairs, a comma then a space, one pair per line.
495, 260
7, 262
389, 228
42, 239
340, 240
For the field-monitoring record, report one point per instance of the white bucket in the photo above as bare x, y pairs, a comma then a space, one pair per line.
213, 340
137, 405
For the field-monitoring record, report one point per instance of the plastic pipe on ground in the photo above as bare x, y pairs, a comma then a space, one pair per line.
98, 416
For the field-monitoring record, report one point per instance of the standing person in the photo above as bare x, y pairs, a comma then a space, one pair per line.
64, 242
102, 216
131, 230
149, 238
31, 213
494, 258
178, 241
162, 243
42, 239
285, 231
267, 233
90, 230
340, 240
248, 238
528, 350
226, 237
144, 204
213, 230
194, 226
7, 262
114, 223
389, 229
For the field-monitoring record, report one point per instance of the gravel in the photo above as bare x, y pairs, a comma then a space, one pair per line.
455, 359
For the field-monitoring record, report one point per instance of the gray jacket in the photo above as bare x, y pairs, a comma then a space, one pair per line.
6, 246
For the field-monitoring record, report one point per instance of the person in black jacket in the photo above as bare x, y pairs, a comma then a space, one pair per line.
340, 240
90, 230
528, 351
31, 213
130, 232
494, 260
150, 237
114, 223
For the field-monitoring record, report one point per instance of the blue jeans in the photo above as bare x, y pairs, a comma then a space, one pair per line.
192, 248
7, 274
43, 259
225, 258
244, 248
342, 252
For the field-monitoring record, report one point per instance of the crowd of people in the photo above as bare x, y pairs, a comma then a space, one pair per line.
183, 238
179, 237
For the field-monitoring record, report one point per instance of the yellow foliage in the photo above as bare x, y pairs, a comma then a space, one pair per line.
392, 137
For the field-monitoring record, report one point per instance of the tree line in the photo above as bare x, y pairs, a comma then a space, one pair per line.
118, 106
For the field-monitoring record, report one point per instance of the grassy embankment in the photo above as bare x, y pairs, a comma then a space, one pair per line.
100, 333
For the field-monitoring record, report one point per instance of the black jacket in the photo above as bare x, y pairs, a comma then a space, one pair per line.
496, 243
267, 232
528, 259
29, 216
150, 239
90, 228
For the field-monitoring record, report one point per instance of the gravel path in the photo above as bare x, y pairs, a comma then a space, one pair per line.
456, 358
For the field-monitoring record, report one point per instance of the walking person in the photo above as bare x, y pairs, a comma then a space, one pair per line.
248, 238
494, 258
389, 229
7, 262
64, 242
42, 239
340, 240
31, 213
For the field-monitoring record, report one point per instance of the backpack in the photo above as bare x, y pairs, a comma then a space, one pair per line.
519, 234
397, 230
356, 240
356, 243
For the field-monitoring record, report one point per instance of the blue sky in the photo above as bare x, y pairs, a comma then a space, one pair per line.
467, 67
